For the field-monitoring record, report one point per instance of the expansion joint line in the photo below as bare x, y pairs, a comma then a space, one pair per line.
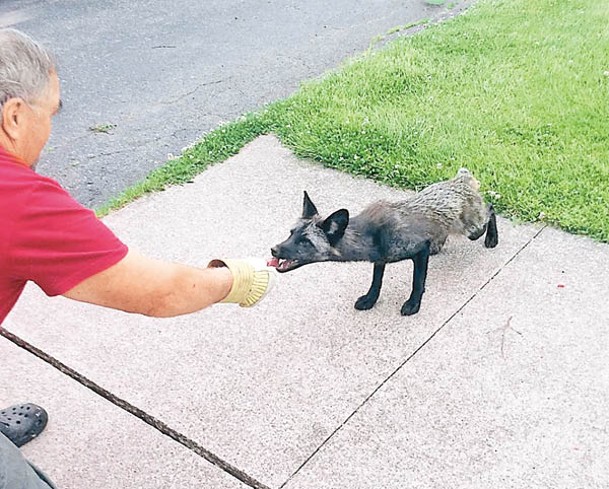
421, 346
135, 411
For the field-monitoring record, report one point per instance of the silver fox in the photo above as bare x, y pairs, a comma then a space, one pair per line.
388, 232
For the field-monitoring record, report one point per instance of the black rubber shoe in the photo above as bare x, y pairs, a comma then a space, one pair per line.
22, 422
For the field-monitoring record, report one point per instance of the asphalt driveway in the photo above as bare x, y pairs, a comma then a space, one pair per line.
143, 79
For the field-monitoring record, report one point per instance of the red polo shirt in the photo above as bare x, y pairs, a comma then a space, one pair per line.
46, 236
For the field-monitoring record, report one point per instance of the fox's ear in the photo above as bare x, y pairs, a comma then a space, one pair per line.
335, 224
308, 207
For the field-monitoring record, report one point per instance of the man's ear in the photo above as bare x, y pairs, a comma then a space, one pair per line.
335, 224
11, 115
308, 207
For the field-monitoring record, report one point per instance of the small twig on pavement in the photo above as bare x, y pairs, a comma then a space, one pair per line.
503, 330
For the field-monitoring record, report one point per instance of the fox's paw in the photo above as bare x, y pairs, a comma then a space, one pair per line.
410, 307
365, 302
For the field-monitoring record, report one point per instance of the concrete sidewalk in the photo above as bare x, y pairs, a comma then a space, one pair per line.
500, 381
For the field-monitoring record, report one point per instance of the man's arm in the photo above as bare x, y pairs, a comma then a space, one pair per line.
154, 288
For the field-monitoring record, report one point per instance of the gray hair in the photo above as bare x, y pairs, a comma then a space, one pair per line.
25, 66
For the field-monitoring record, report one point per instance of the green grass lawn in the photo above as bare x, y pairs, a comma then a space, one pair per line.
515, 90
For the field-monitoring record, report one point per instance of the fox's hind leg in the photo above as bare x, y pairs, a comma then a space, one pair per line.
478, 220
367, 301
492, 236
420, 261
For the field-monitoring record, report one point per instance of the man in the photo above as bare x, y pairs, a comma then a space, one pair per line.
50, 239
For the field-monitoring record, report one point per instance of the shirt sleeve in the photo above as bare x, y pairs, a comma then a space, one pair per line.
58, 243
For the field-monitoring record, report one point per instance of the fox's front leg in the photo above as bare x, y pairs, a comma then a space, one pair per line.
367, 301
420, 261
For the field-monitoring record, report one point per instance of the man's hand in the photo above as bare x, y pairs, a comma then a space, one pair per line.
252, 280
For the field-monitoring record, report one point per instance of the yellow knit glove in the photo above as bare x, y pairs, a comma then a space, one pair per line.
252, 280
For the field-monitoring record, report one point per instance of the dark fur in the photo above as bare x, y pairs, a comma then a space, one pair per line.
388, 232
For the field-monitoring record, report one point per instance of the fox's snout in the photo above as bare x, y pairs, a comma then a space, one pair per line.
282, 261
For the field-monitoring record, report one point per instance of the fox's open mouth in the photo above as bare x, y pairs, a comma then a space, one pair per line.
283, 265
